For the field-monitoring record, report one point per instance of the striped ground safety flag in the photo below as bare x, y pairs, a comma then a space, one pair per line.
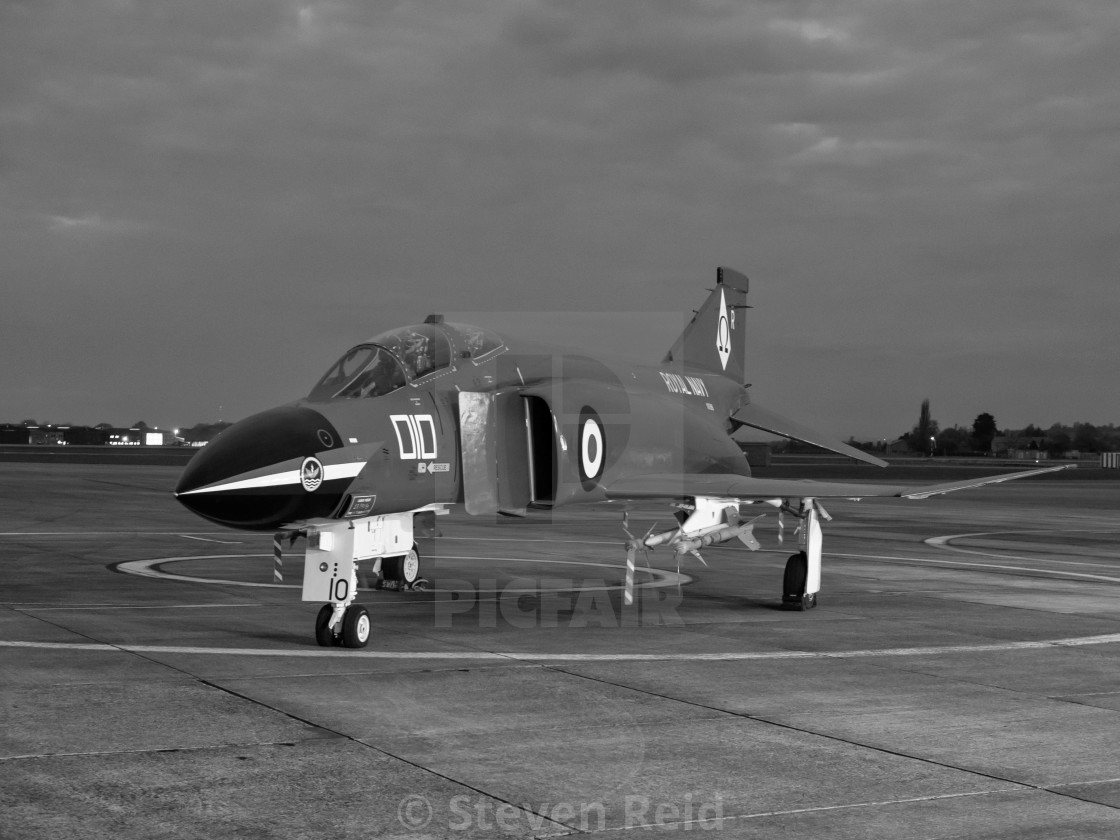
277, 557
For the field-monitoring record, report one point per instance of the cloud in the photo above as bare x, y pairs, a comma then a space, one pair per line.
64, 223
92, 224
890, 174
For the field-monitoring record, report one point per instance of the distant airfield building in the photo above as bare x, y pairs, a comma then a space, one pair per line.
83, 436
1020, 448
143, 437
124, 437
103, 435
33, 435
898, 447
11, 434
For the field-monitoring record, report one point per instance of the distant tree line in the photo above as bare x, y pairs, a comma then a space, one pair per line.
928, 438
984, 437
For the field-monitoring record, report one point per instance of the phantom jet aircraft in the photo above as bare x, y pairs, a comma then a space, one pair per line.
423, 417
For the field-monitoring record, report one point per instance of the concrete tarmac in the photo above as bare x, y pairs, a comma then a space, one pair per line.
960, 678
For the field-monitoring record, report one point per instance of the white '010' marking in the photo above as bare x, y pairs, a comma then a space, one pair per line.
416, 436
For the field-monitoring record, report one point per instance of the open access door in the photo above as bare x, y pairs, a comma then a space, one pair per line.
508, 450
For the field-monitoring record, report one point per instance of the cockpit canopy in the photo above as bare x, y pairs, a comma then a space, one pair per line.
393, 359
365, 371
422, 348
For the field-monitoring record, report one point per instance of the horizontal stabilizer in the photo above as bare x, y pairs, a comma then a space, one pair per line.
767, 421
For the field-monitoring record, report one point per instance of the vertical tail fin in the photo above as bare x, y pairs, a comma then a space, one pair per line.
714, 339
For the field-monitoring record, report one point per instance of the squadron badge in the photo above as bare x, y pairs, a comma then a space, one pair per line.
311, 474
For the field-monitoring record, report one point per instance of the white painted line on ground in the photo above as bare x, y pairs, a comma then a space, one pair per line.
50, 607
530, 656
945, 543
965, 565
531, 540
876, 804
89, 533
143, 568
658, 577
210, 540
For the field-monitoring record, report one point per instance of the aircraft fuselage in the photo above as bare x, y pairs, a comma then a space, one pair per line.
555, 427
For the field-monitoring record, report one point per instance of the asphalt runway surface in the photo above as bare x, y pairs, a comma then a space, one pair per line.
960, 678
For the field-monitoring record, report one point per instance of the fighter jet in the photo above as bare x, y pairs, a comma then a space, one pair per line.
427, 416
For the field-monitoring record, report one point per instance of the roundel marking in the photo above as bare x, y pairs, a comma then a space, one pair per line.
592, 451
592, 448
311, 474
326, 438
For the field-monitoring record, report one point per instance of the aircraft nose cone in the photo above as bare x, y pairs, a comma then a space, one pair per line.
263, 471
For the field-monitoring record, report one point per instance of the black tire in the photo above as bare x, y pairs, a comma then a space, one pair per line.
793, 582
404, 568
323, 633
391, 568
356, 626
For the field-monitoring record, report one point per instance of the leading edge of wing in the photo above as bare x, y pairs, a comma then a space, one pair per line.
952, 486
675, 486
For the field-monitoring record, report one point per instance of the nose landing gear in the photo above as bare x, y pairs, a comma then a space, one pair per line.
353, 631
355, 626
330, 571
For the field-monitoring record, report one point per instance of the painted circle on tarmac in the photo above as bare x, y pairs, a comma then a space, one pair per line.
592, 449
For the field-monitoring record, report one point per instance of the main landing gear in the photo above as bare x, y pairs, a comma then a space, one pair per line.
802, 579
403, 571
715, 519
794, 596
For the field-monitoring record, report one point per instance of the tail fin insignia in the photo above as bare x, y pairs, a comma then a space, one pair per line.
714, 339
723, 332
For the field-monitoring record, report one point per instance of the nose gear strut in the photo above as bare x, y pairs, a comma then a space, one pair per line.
330, 570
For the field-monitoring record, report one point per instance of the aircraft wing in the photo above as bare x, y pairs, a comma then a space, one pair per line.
675, 486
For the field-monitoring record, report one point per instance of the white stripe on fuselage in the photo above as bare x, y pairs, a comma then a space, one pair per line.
330, 472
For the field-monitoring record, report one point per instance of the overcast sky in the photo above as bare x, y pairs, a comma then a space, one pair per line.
203, 203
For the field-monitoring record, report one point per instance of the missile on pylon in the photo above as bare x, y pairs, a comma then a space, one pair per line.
744, 531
